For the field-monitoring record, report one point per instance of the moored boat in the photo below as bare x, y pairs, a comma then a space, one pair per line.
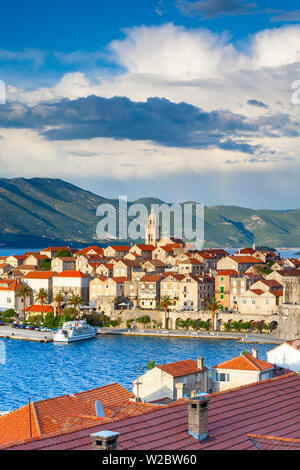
74, 331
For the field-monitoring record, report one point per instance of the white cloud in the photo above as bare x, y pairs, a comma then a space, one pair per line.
195, 66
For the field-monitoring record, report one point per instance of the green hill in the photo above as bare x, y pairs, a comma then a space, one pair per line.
40, 211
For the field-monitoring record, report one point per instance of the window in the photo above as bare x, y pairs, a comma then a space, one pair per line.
253, 301
244, 301
222, 289
222, 296
222, 377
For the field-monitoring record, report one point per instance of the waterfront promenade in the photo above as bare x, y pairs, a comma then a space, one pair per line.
47, 337
7, 331
242, 337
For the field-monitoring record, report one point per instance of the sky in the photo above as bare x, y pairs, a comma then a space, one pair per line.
175, 99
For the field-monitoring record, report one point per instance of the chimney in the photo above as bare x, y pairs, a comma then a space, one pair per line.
255, 353
179, 388
198, 416
200, 363
105, 440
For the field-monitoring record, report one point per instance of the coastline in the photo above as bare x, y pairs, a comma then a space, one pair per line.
29, 335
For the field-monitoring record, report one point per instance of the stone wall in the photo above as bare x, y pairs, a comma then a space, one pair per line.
289, 323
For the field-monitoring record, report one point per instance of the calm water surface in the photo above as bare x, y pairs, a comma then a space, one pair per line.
43, 370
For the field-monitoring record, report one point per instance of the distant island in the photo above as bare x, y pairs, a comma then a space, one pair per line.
47, 211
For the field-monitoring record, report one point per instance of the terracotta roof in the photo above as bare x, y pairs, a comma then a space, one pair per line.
3, 265
245, 362
37, 256
9, 284
271, 282
246, 260
38, 309
176, 276
150, 278
155, 262
85, 251
71, 274
120, 280
39, 274
274, 443
181, 368
67, 412
146, 247
257, 291
227, 272
289, 272
119, 247
269, 407
244, 251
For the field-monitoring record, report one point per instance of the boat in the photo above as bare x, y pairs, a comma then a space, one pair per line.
74, 331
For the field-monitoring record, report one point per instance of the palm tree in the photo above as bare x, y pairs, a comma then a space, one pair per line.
24, 292
212, 306
75, 300
165, 303
42, 297
59, 298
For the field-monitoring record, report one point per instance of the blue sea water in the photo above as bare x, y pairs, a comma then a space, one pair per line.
40, 371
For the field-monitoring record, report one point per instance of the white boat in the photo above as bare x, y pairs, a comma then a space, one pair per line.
74, 331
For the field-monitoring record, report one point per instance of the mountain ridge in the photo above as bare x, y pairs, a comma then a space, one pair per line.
52, 209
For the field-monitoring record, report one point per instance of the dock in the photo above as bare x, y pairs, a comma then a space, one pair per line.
26, 335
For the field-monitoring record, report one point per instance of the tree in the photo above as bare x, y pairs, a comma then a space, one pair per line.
151, 365
59, 298
165, 303
75, 300
8, 315
46, 264
145, 319
42, 297
24, 292
212, 306
63, 254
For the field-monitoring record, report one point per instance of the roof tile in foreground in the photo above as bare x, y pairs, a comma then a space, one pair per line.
267, 408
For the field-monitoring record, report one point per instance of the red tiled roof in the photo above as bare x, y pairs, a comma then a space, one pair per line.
246, 260
271, 282
289, 272
227, 272
257, 291
150, 278
244, 251
269, 407
274, 443
180, 368
146, 247
9, 284
67, 412
85, 251
71, 274
38, 309
119, 247
245, 362
120, 280
39, 274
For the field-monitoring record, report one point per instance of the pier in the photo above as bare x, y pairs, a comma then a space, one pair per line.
7, 331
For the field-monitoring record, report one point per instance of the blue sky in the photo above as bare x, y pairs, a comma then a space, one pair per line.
177, 99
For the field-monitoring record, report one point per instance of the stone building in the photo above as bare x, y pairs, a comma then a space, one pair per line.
290, 279
173, 381
241, 370
72, 283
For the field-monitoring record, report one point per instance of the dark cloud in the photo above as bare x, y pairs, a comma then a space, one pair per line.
158, 120
213, 8
257, 103
287, 16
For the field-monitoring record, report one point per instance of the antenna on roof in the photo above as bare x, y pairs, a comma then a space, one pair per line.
99, 409
29, 411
